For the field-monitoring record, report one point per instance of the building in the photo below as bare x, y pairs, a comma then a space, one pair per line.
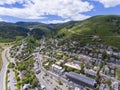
73, 65
106, 69
115, 85
26, 86
81, 80
90, 72
102, 86
57, 69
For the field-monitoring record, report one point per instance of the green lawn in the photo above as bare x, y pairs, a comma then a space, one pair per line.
118, 74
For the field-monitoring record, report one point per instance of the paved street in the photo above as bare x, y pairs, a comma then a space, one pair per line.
50, 81
3, 71
11, 76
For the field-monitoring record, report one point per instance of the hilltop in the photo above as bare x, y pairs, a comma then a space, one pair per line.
98, 29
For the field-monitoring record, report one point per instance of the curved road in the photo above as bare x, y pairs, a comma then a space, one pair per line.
3, 71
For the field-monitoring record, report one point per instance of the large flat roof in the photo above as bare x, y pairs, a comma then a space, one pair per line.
75, 66
56, 66
82, 78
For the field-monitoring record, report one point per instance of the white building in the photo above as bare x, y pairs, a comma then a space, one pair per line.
57, 69
115, 85
73, 65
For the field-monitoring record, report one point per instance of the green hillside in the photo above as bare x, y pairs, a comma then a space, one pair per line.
105, 28
9, 32
98, 29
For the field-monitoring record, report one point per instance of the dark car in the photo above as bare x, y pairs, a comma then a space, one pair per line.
38, 71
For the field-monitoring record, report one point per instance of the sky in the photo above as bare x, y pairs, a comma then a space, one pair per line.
55, 11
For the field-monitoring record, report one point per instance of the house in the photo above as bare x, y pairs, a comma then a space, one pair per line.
26, 86
77, 62
112, 73
115, 85
109, 48
100, 56
112, 60
115, 53
118, 61
102, 86
106, 69
109, 53
98, 62
95, 55
106, 88
58, 63
43, 87
36, 65
90, 72
81, 80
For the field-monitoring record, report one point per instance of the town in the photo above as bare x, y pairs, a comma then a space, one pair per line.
58, 65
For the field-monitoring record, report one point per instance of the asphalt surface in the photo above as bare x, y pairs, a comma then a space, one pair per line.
11, 81
3, 71
47, 81
11, 76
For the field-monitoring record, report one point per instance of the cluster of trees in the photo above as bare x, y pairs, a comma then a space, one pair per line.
27, 67
9, 32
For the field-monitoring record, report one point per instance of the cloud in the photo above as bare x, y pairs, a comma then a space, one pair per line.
109, 3
2, 2
1, 19
38, 9
57, 21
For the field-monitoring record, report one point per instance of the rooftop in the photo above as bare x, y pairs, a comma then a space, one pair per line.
82, 78
56, 66
72, 65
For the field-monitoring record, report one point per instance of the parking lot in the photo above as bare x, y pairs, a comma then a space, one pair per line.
11, 81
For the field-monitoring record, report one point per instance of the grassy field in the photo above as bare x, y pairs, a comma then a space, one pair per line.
118, 74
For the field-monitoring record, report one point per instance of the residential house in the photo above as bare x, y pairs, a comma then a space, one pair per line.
115, 85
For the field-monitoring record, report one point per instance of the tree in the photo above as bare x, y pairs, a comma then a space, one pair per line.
82, 67
22, 67
104, 55
11, 65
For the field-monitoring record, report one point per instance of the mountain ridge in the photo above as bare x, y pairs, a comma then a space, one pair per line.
106, 27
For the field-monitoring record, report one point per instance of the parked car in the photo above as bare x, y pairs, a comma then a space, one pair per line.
43, 87
38, 71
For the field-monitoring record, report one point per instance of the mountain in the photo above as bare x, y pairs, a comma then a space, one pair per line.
36, 29
103, 29
27, 24
10, 31
98, 29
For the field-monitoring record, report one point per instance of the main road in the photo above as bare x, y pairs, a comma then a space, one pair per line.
3, 70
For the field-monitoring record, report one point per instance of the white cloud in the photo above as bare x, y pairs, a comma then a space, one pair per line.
75, 18
109, 3
38, 9
2, 2
1, 19
57, 21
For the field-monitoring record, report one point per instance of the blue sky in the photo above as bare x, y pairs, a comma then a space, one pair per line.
55, 11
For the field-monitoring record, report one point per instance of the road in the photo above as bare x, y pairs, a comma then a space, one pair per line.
3, 71
49, 82
11, 76
40, 77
